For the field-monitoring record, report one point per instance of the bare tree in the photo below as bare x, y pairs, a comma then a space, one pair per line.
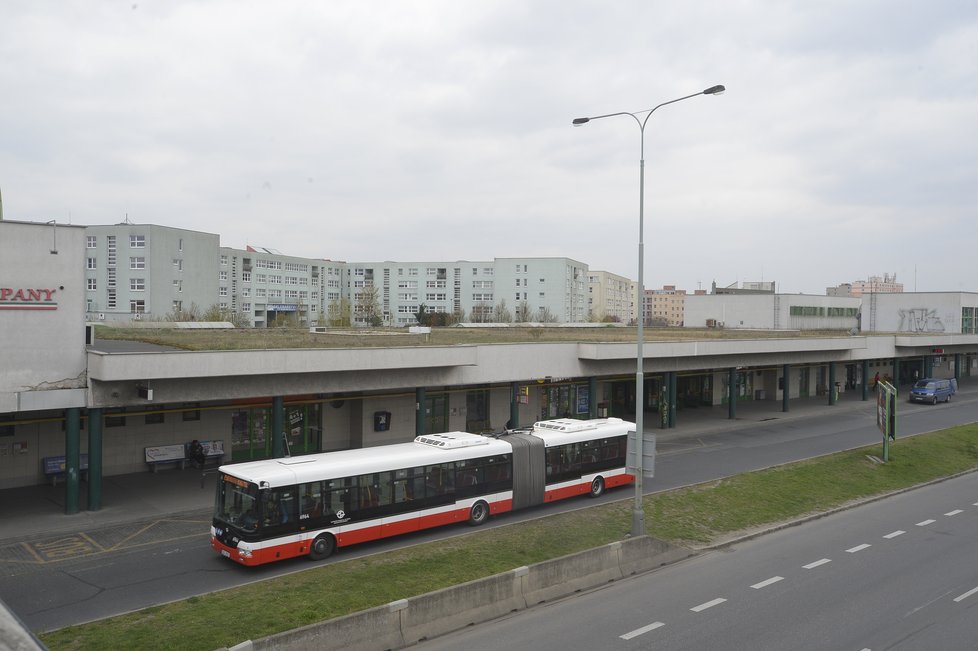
366, 307
501, 313
192, 313
546, 316
340, 313
481, 313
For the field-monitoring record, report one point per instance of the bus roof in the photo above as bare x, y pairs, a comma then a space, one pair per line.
570, 430
362, 461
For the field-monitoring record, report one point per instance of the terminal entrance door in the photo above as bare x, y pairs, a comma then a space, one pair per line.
251, 431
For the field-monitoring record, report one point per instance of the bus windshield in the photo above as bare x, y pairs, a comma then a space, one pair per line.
236, 503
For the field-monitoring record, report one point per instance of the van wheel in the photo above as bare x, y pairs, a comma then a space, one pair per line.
597, 487
478, 514
322, 547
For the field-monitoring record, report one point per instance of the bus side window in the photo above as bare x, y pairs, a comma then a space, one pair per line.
440, 479
311, 500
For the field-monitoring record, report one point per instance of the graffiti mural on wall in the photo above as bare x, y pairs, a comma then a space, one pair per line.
920, 319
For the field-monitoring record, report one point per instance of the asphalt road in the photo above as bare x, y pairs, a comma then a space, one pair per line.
898, 573
176, 561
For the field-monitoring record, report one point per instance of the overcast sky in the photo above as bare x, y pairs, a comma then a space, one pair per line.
845, 146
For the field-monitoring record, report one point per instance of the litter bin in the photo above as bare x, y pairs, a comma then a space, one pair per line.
602, 410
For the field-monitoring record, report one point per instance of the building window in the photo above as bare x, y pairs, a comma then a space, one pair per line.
180, 244
177, 264
137, 284
115, 420
191, 414
178, 285
137, 306
91, 263
224, 261
137, 263
92, 284
246, 276
223, 276
137, 241
91, 242
154, 419
177, 306
222, 291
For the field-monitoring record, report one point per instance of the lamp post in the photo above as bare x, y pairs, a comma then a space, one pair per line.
638, 513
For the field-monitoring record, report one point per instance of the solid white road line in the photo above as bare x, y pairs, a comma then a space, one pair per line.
708, 604
817, 563
858, 548
766, 583
966, 594
925, 523
641, 631
895, 534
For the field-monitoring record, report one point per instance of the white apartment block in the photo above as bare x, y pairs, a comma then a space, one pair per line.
537, 286
610, 297
266, 288
143, 271
557, 287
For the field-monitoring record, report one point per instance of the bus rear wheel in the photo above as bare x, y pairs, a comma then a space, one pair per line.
597, 487
322, 547
478, 514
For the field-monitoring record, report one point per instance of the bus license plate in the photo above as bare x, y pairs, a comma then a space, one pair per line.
225, 553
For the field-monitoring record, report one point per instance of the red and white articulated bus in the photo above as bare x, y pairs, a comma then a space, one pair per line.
281, 508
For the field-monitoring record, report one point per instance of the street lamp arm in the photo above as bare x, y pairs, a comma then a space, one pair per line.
719, 89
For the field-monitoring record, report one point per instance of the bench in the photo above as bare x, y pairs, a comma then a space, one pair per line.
159, 455
179, 454
54, 467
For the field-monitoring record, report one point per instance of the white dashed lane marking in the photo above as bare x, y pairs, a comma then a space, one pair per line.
811, 566
641, 631
766, 583
895, 534
858, 548
966, 594
925, 523
708, 604
954, 512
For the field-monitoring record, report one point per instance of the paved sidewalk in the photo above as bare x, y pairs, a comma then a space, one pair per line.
34, 511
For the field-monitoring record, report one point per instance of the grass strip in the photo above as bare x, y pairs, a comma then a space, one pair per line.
695, 515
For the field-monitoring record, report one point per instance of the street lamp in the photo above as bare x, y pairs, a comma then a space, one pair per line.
638, 513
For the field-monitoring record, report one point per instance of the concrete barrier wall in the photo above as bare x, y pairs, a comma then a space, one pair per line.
377, 628
405, 622
564, 576
642, 554
450, 609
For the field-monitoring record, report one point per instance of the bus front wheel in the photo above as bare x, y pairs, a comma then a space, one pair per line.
322, 547
478, 514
